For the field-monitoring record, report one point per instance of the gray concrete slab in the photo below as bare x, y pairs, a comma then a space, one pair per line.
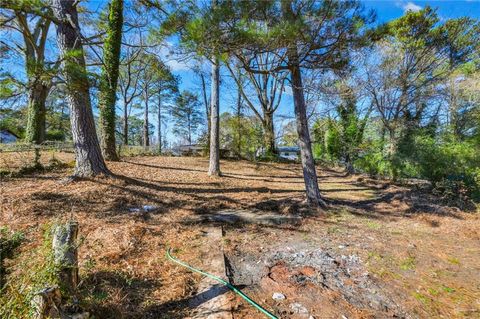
233, 216
213, 300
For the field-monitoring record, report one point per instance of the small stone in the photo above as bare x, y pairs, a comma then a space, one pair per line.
344, 317
298, 308
149, 208
341, 246
278, 296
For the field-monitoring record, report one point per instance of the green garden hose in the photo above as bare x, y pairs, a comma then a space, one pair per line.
226, 283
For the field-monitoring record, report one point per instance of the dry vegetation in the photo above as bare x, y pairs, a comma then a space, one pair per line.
425, 255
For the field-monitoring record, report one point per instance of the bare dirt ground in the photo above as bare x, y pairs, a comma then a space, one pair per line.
379, 250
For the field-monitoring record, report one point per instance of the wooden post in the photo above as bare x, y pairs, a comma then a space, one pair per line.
46, 303
66, 255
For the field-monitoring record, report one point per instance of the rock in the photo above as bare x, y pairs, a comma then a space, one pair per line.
149, 208
298, 308
278, 296
84, 315
143, 209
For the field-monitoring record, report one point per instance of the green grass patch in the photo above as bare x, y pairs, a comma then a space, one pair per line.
408, 263
373, 225
421, 297
453, 260
448, 289
34, 270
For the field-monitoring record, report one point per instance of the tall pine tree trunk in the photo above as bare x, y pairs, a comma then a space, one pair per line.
35, 130
269, 133
146, 134
159, 123
109, 80
239, 123
89, 159
207, 106
214, 168
125, 124
308, 163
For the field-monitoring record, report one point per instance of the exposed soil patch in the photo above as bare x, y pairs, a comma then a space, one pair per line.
315, 282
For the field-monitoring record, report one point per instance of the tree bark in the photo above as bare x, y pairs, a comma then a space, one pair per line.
239, 122
207, 107
146, 135
109, 80
214, 167
159, 123
35, 130
269, 134
39, 80
125, 125
89, 159
308, 163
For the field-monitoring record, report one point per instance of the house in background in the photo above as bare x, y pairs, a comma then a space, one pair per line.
7, 136
291, 153
190, 149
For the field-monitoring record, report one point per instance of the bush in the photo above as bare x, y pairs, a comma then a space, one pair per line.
453, 167
55, 135
372, 160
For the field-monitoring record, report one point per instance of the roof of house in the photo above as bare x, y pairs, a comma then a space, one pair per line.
6, 130
288, 149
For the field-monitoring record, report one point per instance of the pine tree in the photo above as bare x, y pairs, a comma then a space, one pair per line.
186, 116
88, 156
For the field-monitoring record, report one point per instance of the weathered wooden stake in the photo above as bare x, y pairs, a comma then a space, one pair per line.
46, 303
66, 254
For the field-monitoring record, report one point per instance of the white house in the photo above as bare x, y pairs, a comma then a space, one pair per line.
289, 152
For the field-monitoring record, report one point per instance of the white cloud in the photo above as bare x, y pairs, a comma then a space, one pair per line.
409, 6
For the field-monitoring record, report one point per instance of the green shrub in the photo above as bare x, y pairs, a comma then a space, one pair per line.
55, 135
372, 160
452, 166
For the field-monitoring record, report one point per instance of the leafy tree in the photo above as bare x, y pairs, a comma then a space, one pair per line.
129, 84
308, 35
32, 19
347, 132
241, 133
166, 88
191, 23
401, 81
186, 115
267, 88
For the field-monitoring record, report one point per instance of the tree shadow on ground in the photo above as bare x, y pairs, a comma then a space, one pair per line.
417, 202
166, 167
115, 295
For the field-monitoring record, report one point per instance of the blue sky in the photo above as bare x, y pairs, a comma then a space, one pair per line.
386, 11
